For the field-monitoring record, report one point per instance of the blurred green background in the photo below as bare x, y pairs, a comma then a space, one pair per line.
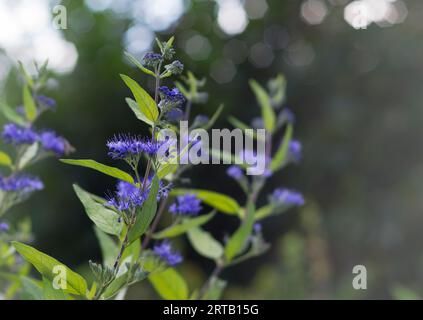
357, 98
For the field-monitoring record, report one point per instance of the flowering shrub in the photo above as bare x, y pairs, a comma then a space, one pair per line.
29, 145
127, 219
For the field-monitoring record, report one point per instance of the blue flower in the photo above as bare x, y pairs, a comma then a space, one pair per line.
176, 67
257, 123
294, 150
287, 197
4, 226
170, 98
127, 196
174, 115
164, 251
21, 183
151, 59
235, 172
14, 134
187, 204
125, 146
287, 115
47, 102
257, 227
50, 141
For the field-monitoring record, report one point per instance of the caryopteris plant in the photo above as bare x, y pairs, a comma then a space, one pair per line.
127, 219
25, 145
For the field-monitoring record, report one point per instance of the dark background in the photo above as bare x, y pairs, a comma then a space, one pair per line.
357, 99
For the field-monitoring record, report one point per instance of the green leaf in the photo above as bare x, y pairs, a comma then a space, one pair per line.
140, 116
11, 114
238, 240
45, 264
204, 243
184, 226
50, 293
110, 171
280, 155
33, 288
28, 155
105, 219
138, 64
267, 111
109, 248
146, 215
27, 77
169, 284
214, 199
146, 104
29, 104
5, 160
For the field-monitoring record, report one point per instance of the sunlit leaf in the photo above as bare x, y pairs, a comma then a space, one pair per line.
267, 111
141, 116
282, 152
238, 240
5, 159
110, 171
146, 104
214, 199
45, 265
138, 64
29, 104
204, 243
169, 284
105, 219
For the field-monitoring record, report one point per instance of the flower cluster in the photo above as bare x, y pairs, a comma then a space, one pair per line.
176, 67
128, 196
170, 98
14, 134
294, 150
235, 172
4, 226
126, 147
283, 196
165, 251
50, 141
151, 59
46, 102
187, 204
21, 183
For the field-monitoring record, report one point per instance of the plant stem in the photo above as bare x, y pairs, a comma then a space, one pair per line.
155, 223
215, 273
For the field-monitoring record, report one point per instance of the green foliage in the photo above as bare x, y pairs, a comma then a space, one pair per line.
107, 170
169, 284
145, 103
105, 219
220, 202
281, 154
204, 243
238, 240
267, 112
145, 216
45, 265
